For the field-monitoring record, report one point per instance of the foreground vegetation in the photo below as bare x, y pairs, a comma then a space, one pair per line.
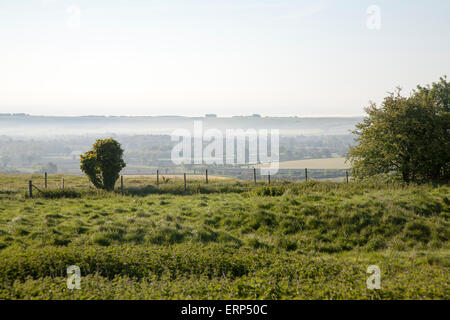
226, 239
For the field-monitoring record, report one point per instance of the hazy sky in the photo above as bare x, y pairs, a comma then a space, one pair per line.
191, 57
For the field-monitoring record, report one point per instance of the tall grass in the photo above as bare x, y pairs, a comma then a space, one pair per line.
226, 239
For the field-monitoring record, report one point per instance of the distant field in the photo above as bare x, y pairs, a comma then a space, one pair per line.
325, 163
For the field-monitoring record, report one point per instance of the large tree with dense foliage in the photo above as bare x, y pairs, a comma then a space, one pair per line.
409, 136
103, 163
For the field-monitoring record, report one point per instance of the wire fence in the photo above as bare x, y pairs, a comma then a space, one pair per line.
162, 176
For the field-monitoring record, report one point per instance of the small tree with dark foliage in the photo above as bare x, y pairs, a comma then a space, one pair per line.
103, 163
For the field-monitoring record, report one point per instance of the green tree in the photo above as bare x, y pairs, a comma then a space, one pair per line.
103, 163
406, 135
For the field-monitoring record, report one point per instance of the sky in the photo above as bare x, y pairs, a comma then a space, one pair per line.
228, 57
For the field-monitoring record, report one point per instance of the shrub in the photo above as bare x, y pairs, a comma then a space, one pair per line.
55, 194
103, 163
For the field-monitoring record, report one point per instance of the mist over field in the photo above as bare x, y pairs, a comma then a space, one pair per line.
26, 126
36, 144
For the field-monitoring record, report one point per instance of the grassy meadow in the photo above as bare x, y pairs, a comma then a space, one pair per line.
225, 240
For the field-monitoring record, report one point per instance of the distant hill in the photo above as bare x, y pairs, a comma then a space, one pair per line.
49, 126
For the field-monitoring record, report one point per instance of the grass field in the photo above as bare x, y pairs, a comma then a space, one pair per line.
224, 240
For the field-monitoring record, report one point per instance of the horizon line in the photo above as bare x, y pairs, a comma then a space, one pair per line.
216, 116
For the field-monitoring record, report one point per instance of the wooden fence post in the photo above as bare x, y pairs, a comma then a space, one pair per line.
121, 184
62, 183
184, 181
268, 177
45, 177
254, 174
346, 175
157, 177
30, 188
206, 174
306, 174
